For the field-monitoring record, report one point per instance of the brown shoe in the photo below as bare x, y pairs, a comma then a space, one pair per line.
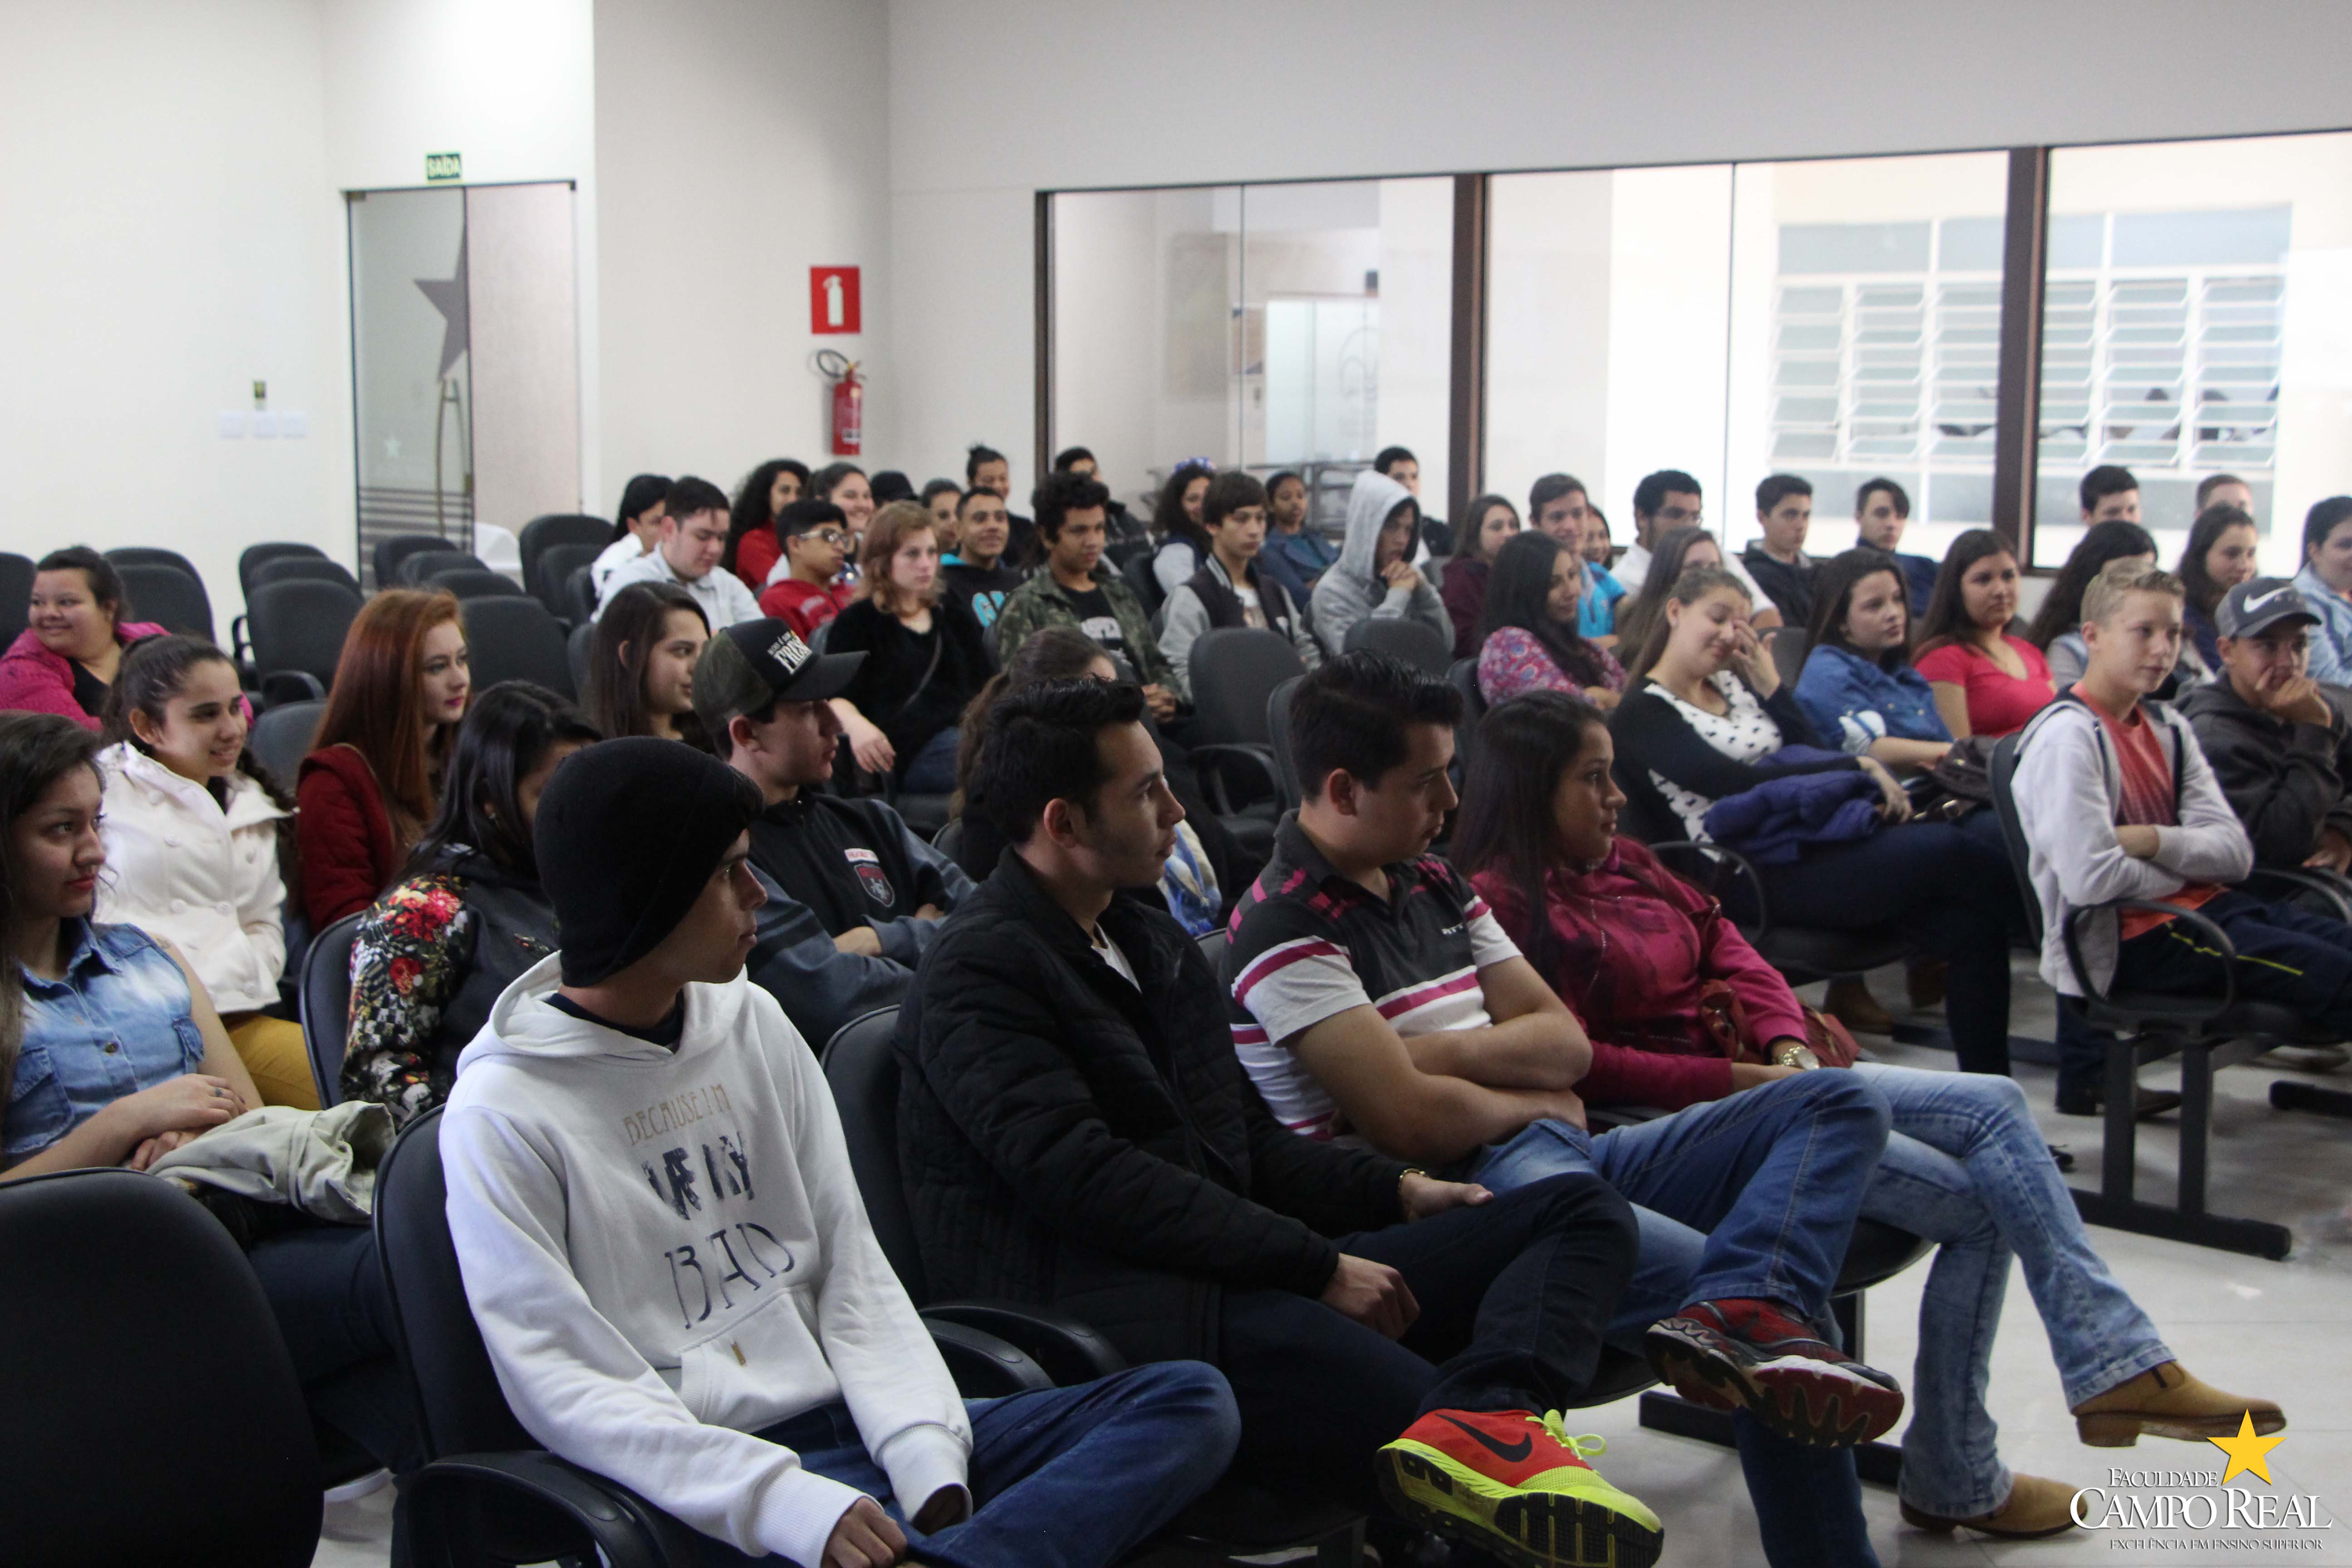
2035, 1508
1924, 979
2168, 1400
1851, 1003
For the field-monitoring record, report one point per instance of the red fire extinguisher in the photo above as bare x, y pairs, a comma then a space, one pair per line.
848, 403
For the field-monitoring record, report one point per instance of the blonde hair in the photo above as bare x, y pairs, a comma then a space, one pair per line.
2103, 594
884, 532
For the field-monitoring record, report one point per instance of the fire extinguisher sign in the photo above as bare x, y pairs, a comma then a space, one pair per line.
833, 300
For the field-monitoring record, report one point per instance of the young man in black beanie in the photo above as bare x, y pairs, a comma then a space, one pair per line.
664, 1248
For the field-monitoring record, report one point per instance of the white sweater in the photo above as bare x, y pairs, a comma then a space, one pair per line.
2066, 785
665, 1251
206, 879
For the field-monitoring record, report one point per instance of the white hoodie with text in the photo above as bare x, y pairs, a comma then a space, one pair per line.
665, 1251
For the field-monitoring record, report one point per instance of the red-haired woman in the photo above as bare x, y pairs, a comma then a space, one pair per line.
925, 657
370, 785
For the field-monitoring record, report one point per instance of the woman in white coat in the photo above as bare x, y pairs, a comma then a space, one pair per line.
191, 835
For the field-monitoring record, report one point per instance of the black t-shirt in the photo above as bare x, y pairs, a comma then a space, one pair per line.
899, 687
982, 590
90, 691
1094, 619
838, 857
665, 1034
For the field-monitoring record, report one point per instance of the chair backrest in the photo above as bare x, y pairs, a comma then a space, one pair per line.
152, 555
391, 551
1277, 735
120, 1286
511, 637
579, 595
948, 840
541, 534
281, 738
416, 570
475, 583
1137, 570
291, 568
299, 626
326, 1005
164, 593
1789, 653
1417, 643
459, 1407
861, 1063
2000, 773
256, 556
556, 563
575, 655
1233, 670
15, 595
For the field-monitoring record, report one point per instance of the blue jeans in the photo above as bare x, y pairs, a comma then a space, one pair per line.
1066, 1477
931, 770
1968, 1169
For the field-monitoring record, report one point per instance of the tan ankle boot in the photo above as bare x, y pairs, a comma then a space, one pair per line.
1851, 1003
2035, 1508
2168, 1400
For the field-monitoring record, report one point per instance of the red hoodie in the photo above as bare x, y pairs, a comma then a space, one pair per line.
35, 680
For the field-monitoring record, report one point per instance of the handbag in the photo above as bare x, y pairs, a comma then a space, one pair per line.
1726, 1022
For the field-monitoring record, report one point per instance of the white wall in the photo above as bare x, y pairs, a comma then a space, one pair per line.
1088, 96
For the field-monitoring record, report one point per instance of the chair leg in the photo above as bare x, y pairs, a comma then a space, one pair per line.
2287, 1094
1345, 1550
2196, 1126
2119, 1154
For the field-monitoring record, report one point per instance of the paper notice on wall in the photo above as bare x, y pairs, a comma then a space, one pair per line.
233, 423
2317, 352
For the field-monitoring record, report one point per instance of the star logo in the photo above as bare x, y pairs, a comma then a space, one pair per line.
2246, 1451
448, 297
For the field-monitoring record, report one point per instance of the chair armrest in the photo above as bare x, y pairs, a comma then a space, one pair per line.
1216, 754
438, 1504
289, 685
2332, 893
1739, 868
983, 1366
1070, 1351
2193, 1011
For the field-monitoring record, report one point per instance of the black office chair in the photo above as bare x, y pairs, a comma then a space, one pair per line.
281, 738
118, 1286
541, 534
326, 1005
557, 563
1137, 570
307, 568
394, 549
2205, 1032
1417, 643
1291, 794
1788, 645
575, 655
297, 630
1233, 671
1802, 953
1233, 1519
152, 555
488, 1493
511, 637
475, 583
163, 594
948, 840
579, 596
256, 556
15, 595
417, 569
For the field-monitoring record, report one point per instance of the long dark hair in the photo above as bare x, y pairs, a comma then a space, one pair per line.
1167, 514
1834, 587
2211, 525
1049, 653
154, 670
1506, 824
1472, 523
36, 750
642, 493
1947, 620
751, 511
1517, 587
507, 732
633, 622
2062, 612
1648, 605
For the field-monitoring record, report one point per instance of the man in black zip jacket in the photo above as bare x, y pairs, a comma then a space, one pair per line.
1077, 1133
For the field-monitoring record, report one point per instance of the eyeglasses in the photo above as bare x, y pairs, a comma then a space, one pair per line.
832, 536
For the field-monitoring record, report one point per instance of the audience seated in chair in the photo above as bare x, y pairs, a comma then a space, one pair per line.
1077, 1134
731, 1344
1533, 639
1677, 551
1986, 680
1667, 987
193, 831
1882, 511
1374, 995
853, 898
812, 590
1483, 528
370, 783
2222, 552
1229, 590
1374, 576
641, 664
74, 990
845, 486
1706, 714
1558, 505
924, 656
636, 532
1858, 688
1663, 502
74, 635
469, 916
754, 543
978, 570
1777, 561
1297, 554
1176, 522
2057, 625
693, 538
1073, 588
986, 468
2325, 581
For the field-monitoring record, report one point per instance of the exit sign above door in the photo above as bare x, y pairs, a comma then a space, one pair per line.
443, 166
833, 300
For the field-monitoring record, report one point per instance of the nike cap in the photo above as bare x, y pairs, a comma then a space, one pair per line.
753, 663
2254, 607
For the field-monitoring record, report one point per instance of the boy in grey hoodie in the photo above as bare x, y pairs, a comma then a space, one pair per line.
1375, 577
670, 1264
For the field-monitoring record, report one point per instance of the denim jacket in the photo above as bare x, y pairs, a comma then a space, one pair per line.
117, 1023
1851, 701
2331, 648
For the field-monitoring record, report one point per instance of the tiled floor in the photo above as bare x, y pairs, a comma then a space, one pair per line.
2283, 1329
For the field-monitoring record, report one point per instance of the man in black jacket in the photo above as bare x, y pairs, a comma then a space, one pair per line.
1077, 1133
854, 897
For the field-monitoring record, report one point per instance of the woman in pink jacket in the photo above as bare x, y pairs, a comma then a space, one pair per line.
64, 660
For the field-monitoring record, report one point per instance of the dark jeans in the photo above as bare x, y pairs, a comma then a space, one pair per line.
1066, 1477
1947, 888
1513, 1297
2285, 954
327, 1291
931, 770
1808, 1500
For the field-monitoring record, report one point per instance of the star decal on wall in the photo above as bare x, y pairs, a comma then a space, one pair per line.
448, 297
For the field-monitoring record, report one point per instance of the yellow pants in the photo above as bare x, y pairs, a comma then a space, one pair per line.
273, 1052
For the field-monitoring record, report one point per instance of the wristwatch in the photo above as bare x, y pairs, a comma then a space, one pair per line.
1794, 1055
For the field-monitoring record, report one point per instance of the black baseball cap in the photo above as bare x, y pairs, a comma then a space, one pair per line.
2254, 607
750, 664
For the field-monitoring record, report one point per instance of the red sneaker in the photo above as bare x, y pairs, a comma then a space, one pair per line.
1517, 1485
1730, 1354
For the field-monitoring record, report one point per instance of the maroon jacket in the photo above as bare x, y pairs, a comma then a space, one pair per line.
1464, 598
344, 835
35, 680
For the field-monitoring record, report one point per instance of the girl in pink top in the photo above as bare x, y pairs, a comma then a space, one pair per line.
1986, 680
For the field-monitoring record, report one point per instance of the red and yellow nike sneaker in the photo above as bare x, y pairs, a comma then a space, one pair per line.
1517, 1485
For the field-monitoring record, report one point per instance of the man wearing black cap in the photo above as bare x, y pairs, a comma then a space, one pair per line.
854, 896
665, 1252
